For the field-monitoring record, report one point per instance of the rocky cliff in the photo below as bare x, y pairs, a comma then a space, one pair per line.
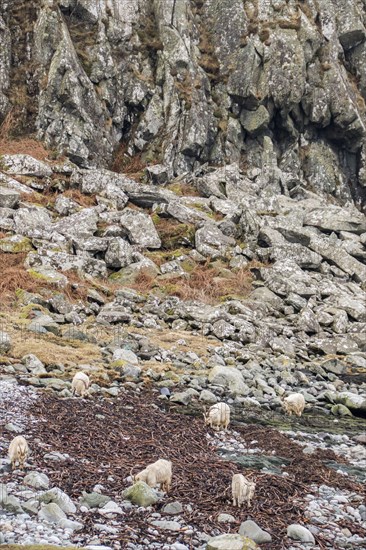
277, 86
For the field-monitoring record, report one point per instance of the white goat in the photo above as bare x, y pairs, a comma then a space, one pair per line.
294, 403
242, 490
18, 451
158, 472
80, 384
218, 416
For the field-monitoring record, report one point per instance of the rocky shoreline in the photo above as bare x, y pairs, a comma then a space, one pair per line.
180, 302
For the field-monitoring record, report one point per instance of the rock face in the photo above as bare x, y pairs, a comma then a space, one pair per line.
279, 86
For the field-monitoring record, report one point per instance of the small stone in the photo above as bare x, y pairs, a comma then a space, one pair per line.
51, 513
31, 506
184, 397
69, 524
113, 391
298, 532
208, 397
94, 500
111, 508
13, 428
250, 529
225, 518
11, 504
167, 525
173, 508
37, 480
33, 364
56, 456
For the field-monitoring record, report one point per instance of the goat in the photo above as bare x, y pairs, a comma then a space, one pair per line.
18, 451
242, 490
294, 403
218, 416
158, 472
80, 384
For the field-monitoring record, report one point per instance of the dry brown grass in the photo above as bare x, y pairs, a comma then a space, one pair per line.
51, 349
46, 198
124, 163
174, 234
24, 146
80, 198
14, 276
183, 189
205, 283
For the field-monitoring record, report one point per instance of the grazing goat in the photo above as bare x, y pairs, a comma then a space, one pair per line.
294, 403
158, 472
242, 490
18, 451
218, 416
80, 384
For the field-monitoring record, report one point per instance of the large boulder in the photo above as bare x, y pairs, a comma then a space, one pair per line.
5, 342
211, 242
51, 513
25, 165
141, 494
60, 498
229, 378
140, 228
9, 198
119, 253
